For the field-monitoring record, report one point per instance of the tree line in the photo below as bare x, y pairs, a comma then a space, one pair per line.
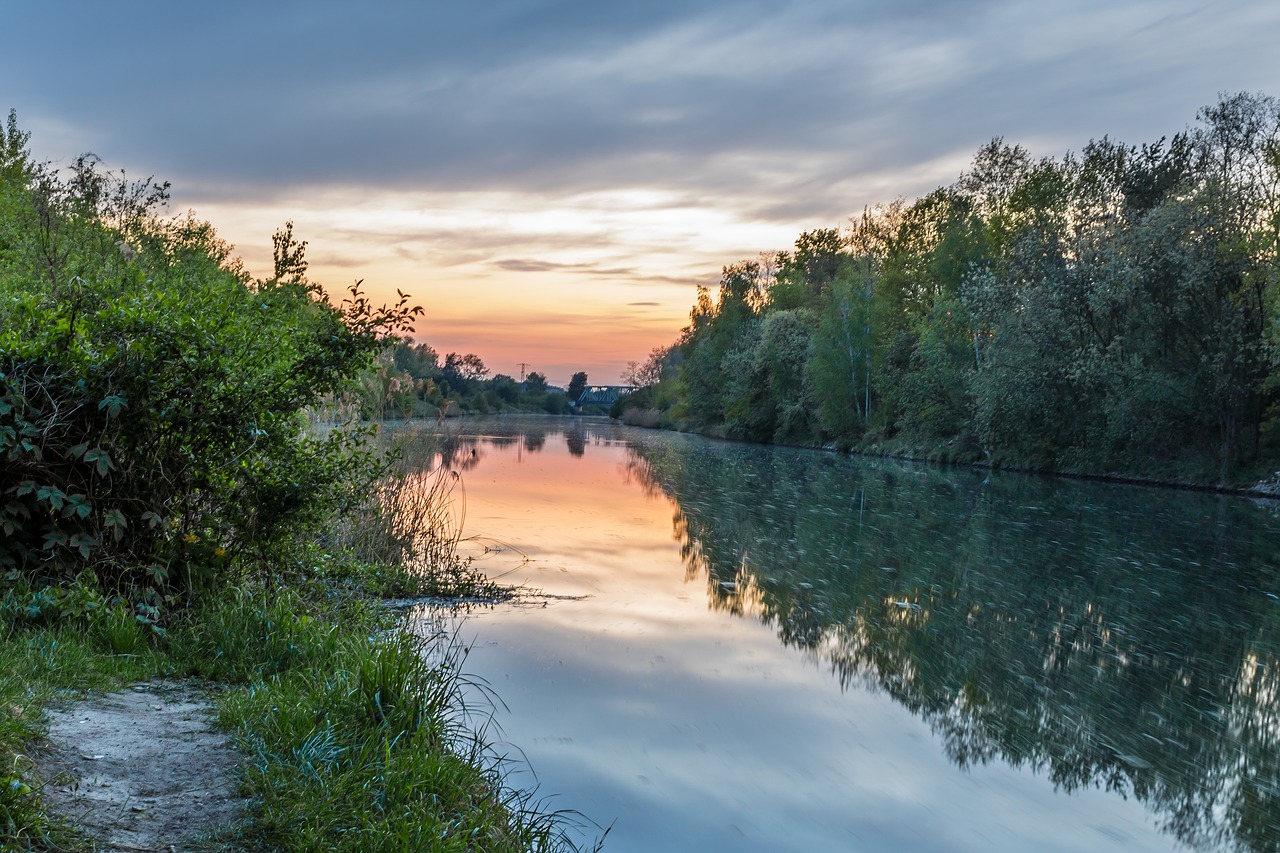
1110, 310
409, 379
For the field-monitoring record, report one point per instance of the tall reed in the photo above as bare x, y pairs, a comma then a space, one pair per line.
411, 524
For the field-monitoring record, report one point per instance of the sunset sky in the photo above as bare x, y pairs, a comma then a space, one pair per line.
551, 178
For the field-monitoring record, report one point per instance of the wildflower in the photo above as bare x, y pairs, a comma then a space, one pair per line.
191, 537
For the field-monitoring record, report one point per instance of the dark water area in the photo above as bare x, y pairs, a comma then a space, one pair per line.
761, 648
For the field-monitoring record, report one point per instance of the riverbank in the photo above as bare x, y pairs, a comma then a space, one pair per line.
1261, 484
1261, 489
350, 725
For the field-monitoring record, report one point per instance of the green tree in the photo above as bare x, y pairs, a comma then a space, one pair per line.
467, 368
840, 369
535, 383
577, 385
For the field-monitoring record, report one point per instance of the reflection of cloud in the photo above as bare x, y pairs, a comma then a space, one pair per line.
698, 731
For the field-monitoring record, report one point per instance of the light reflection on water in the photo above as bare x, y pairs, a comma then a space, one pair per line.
751, 648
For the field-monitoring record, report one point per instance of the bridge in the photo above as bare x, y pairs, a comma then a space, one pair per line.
604, 395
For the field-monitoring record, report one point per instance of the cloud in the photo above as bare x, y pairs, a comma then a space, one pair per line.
746, 101
530, 265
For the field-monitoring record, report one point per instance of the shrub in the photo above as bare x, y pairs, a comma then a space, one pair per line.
151, 391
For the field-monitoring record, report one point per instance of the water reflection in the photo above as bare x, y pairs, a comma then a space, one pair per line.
1103, 636
461, 449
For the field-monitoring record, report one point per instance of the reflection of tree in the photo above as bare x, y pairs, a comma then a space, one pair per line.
1102, 636
459, 453
460, 450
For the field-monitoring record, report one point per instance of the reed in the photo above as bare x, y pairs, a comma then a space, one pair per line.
411, 524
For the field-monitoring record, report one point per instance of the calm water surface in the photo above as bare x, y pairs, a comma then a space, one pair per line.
762, 649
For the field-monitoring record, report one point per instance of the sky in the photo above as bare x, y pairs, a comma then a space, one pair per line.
551, 179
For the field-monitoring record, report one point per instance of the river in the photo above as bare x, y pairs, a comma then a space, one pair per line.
744, 648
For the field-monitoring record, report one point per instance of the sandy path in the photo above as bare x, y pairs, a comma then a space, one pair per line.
141, 770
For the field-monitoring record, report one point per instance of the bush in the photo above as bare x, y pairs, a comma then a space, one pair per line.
151, 392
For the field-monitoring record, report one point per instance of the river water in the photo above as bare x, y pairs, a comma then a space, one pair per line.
747, 648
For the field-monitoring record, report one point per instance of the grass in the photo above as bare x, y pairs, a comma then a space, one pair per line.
407, 538
360, 733
358, 730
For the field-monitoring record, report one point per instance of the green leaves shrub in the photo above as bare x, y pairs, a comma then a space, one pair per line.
151, 391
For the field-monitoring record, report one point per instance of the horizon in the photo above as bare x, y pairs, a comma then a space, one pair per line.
551, 181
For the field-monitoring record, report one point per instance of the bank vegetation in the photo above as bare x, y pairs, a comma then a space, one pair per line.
1111, 311
165, 511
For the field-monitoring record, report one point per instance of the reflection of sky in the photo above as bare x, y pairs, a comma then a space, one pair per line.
692, 730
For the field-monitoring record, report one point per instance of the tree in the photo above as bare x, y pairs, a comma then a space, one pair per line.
289, 256
788, 349
577, 385
420, 361
535, 383
468, 368
840, 367
652, 371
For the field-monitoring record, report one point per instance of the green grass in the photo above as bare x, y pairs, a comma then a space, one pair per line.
357, 731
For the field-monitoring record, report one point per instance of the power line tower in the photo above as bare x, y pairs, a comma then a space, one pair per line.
523, 365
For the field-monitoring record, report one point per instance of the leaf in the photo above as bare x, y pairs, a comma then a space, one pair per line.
77, 505
52, 539
84, 543
113, 403
53, 495
100, 459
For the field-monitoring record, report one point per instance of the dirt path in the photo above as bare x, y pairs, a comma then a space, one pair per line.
141, 770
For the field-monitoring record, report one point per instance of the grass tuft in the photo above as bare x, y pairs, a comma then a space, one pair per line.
366, 741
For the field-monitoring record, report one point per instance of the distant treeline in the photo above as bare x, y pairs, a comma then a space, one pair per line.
1114, 310
410, 380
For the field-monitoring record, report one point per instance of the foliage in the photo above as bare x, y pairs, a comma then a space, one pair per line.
408, 381
1112, 310
577, 385
165, 510
150, 391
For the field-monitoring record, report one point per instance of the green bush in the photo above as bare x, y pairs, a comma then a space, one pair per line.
151, 391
